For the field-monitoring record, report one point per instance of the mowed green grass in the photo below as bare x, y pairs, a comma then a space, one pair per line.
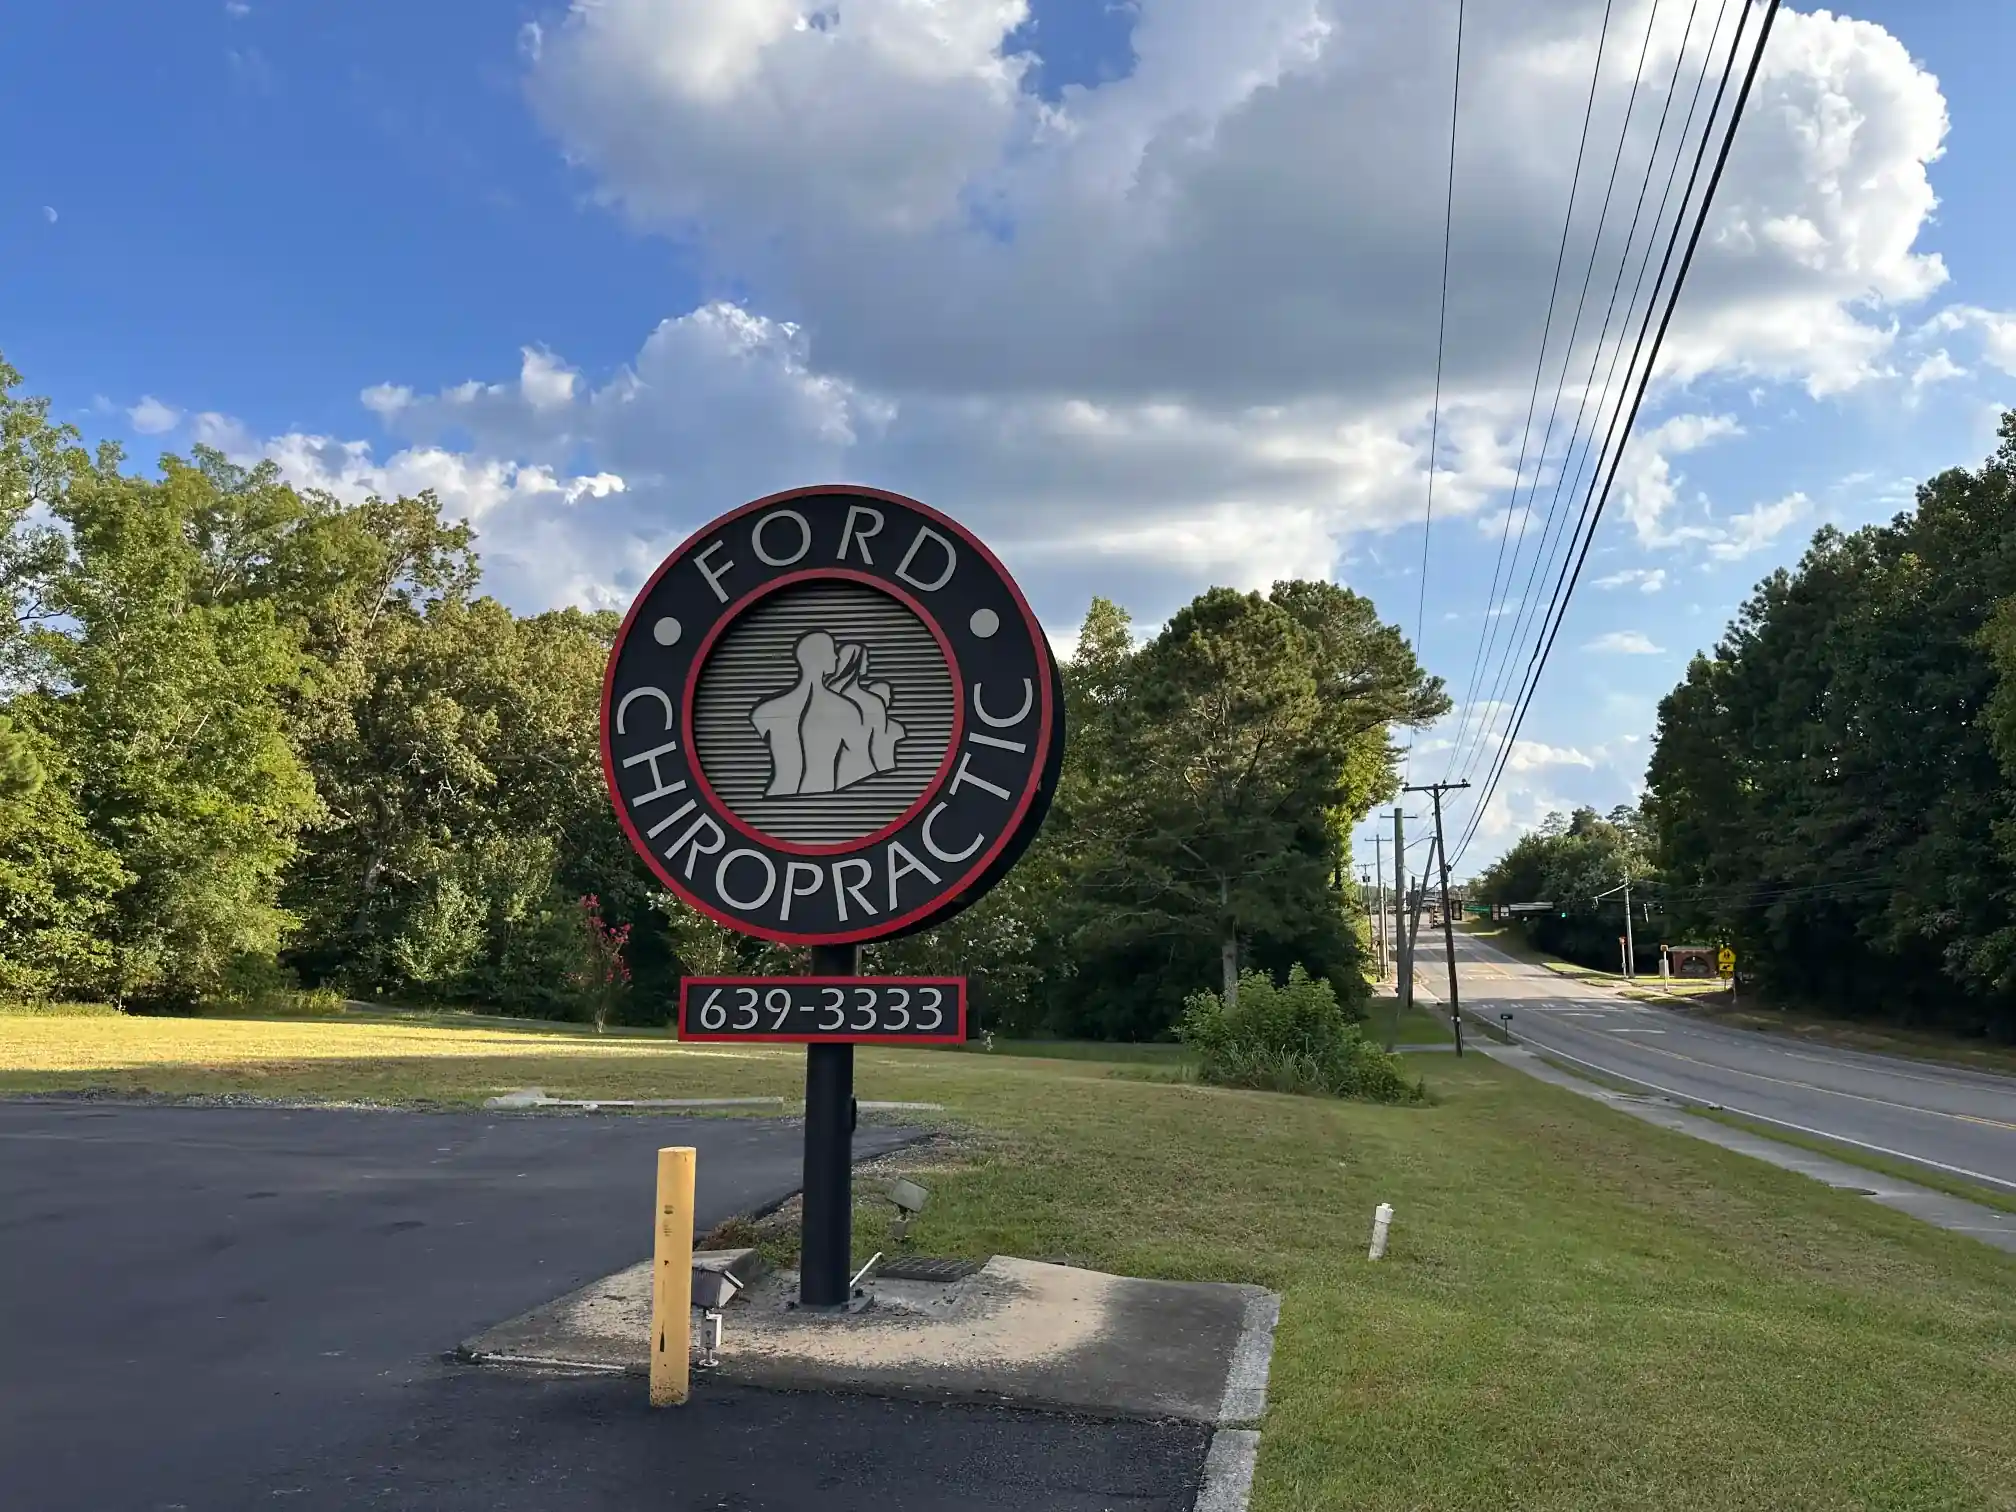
1579, 1311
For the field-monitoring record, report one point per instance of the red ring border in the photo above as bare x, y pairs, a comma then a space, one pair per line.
945, 764
890, 927
703, 1037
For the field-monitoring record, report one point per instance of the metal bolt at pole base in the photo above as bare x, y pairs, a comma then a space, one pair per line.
826, 1227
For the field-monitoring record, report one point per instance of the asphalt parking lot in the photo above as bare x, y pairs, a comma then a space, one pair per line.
251, 1307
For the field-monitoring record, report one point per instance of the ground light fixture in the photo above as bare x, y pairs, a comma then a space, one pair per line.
713, 1290
909, 1199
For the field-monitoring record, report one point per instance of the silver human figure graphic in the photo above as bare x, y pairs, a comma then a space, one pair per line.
832, 728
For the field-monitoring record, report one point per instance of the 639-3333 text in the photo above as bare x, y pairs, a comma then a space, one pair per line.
824, 1010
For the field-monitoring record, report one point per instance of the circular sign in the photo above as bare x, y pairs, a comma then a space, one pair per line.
830, 716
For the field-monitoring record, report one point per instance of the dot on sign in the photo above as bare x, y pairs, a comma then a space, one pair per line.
666, 632
985, 622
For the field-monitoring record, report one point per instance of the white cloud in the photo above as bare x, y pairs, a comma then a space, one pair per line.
1757, 528
150, 417
1995, 328
1056, 317
1531, 755
891, 182
996, 270
1645, 580
544, 382
1625, 643
1937, 368
237, 9
721, 405
1651, 488
386, 399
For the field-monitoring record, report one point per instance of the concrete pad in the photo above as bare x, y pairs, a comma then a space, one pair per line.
1016, 1332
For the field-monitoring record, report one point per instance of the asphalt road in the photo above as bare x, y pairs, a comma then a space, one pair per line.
1958, 1121
234, 1308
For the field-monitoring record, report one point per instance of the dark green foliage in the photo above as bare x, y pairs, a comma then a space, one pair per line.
264, 742
1292, 1037
58, 883
1570, 861
1198, 825
1831, 790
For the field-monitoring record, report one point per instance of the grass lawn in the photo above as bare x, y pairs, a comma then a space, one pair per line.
1579, 1311
1417, 1027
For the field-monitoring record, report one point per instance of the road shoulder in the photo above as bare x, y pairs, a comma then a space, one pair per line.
1955, 1214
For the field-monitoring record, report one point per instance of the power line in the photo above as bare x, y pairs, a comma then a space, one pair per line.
1645, 262
1614, 435
1557, 600
1593, 509
1544, 558
1441, 335
1533, 399
1543, 555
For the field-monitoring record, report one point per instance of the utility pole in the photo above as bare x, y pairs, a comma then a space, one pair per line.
1379, 916
1630, 939
1417, 901
1435, 790
1367, 894
1403, 958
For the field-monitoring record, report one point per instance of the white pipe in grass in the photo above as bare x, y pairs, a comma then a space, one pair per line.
1382, 1220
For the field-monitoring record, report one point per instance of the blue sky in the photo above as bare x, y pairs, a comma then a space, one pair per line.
1153, 308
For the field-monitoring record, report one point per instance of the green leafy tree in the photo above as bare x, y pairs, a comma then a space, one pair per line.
1571, 861
37, 461
20, 773
1244, 725
58, 884
171, 712
1825, 791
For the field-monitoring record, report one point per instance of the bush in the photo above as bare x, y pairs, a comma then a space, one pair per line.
1294, 1037
257, 986
46, 1008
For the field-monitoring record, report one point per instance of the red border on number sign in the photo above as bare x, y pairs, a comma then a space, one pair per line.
726, 1037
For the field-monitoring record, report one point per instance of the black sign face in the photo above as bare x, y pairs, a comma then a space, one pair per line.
831, 716
824, 1010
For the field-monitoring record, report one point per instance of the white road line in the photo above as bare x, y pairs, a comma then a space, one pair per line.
1783, 1081
1702, 1102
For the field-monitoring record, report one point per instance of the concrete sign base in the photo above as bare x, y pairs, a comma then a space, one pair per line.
1017, 1332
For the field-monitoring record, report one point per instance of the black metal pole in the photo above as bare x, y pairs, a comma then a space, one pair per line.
826, 1229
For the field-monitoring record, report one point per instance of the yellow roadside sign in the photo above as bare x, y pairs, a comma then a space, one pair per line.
1725, 961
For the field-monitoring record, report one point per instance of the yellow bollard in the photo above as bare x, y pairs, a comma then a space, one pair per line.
672, 1278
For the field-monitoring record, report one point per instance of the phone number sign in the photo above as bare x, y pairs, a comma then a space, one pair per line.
824, 1010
